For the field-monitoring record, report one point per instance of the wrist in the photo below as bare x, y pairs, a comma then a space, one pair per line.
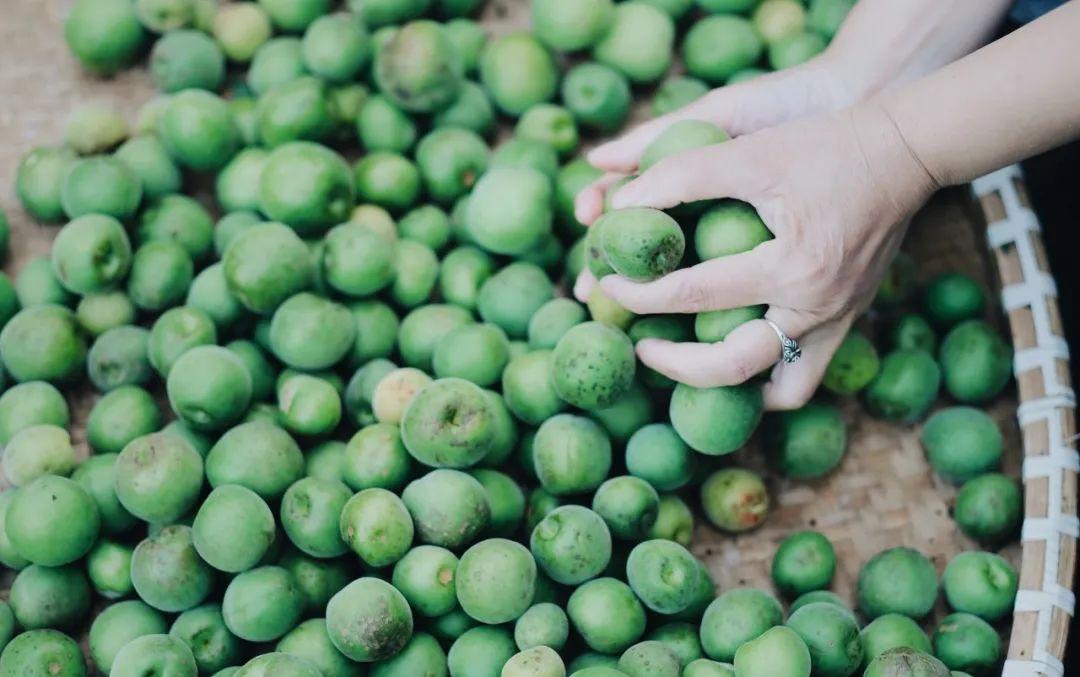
893, 167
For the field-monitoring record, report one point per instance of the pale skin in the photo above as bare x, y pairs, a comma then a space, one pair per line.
837, 155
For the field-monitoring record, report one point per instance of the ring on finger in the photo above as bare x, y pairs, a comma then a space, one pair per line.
790, 350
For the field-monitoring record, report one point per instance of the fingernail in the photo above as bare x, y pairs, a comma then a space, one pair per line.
585, 208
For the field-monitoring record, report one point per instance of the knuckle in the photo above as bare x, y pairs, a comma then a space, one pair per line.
691, 294
734, 370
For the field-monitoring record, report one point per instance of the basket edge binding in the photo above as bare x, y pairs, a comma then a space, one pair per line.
1045, 601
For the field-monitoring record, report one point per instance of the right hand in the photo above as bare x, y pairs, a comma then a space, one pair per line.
814, 87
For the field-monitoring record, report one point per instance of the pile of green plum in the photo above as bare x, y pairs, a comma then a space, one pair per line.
348, 424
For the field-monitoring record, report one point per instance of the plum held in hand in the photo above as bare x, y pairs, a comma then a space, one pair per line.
641, 244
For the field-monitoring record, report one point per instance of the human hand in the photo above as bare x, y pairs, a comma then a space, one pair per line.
816, 86
836, 191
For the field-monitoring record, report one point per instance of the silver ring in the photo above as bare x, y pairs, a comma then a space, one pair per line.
790, 350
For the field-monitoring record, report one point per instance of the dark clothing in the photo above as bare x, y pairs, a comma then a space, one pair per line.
1029, 10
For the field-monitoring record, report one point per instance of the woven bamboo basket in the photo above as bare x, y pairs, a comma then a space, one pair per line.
883, 495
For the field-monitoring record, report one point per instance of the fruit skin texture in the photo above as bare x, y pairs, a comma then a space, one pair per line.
449, 508
186, 59
629, 506
168, 573
426, 577
703, 667
642, 244
42, 343
91, 253
962, 443
158, 477
976, 363
639, 42
905, 387
649, 658
898, 580
606, 614
735, 499
154, 654
571, 454
953, 298
28, 652
892, 631
104, 35
853, 366
199, 130
261, 605
736, 617
544, 624
980, 583
310, 515
571, 25
832, 636
717, 47
658, 455
481, 650
663, 574
988, 508
571, 544
806, 443
779, 651
209, 387
967, 643
50, 597
377, 526
369, 620
118, 624
266, 264
593, 365
496, 580
417, 68
233, 528
716, 421
311, 332
52, 521
518, 72
40, 179
448, 424
905, 661
203, 630
509, 210
805, 561
322, 199
277, 663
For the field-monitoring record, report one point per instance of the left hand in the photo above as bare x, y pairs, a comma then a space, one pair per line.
837, 192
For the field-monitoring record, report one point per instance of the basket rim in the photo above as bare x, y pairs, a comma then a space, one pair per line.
1045, 601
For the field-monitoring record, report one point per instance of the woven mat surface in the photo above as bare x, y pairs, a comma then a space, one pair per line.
883, 495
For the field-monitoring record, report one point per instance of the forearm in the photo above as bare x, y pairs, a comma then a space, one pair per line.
1010, 100
885, 43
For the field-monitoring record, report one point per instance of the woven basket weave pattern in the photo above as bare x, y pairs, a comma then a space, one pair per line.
1045, 602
